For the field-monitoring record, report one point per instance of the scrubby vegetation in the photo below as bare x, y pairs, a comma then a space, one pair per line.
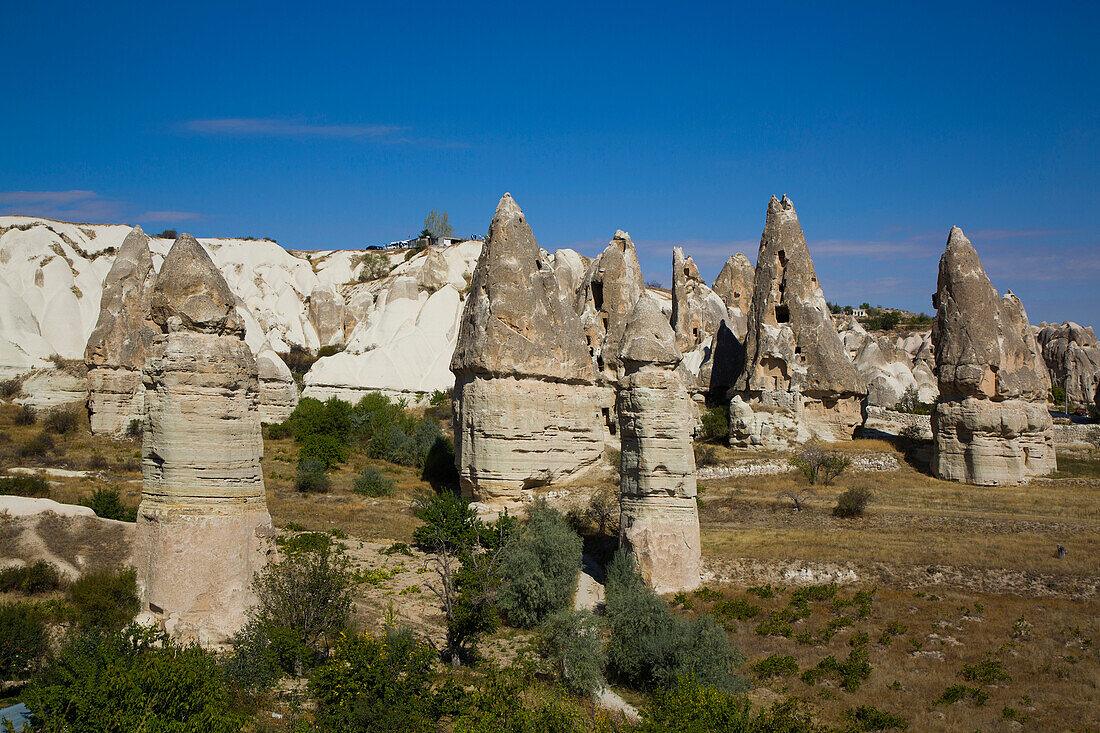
22, 485
539, 567
819, 465
108, 504
40, 577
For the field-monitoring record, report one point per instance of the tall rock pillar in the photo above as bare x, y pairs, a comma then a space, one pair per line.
991, 426
122, 339
660, 519
527, 412
203, 528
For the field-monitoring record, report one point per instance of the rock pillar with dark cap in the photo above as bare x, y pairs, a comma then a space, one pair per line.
203, 528
660, 519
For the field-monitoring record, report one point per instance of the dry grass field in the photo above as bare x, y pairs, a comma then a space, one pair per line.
959, 589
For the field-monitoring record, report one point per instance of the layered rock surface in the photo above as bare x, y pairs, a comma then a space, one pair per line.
1072, 358
797, 382
606, 295
123, 338
203, 528
527, 408
660, 521
991, 425
734, 285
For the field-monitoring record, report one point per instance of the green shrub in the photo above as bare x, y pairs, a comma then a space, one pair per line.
373, 266
41, 577
869, 718
310, 478
131, 680
61, 422
989, 671
24, 416
690, 707
305, 542
23, 640
23, 485
324, 448
135, 429
539, 567
957, 693
850, 673
764, 591
820, 465
775, 665
106, 503
852, 502
650, 648
570, 641
373, 483
439, 397
37, 447
330, 350
10, 388
377, 683
448, 522
303, 605
105, 598
715, 424
735, 610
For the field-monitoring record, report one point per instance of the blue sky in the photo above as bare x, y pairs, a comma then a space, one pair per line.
333, 125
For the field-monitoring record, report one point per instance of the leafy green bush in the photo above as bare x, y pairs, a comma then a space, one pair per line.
852, 502
957, 693
820, 465
448, 521
310, 478
377, 683
989, 671
850, 673
22, 485
690, 707
539, 567
373, 266
650, 648
61, 421
775, 665
41, 577
130, 680
324, 448
869, 718
303, 605
735, 610
106, 503
105, 598
373, 483
134, 429
439, 397
570, 641
23, 639
715, 424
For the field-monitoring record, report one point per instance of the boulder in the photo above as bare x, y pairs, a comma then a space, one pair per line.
527, 410
278, 392
798, 381
990, 426
203, 529
122, 339
660, 519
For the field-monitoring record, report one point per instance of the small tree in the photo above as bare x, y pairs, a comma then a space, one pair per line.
852, 502
817, 464
373, 266
168, 234
437, 224
539, 569
570, 641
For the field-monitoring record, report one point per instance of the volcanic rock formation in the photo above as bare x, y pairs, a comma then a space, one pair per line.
326, 313
1072, 357
606, 295
990, 426
734, 285
203, 528
660, 519
696, 310
797, 383
278, 392
527, 411
122, 339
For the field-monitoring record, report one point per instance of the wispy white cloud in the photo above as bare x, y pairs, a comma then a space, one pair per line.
273, 127
73, 205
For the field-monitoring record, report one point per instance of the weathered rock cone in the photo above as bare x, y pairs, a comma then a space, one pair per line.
606, 296
660, 519
696, 310
990, 426
734, 285
527, 409
1072, 357
122, 339
326, 313
278, 392
798, 382
203, 528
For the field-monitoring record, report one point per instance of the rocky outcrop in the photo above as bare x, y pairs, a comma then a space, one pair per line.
660, 520
527, 412
1072, 358
326, 313
696, 309
203, 528
278, 392
797, 383
122, 340
990, 426
734, 285
606, 295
